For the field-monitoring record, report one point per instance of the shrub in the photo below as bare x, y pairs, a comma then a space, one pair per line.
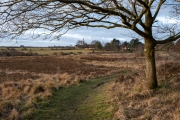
17, 53
54, 53
79, 52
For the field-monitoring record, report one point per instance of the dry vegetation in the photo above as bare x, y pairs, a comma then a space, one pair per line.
136, 102
24, 81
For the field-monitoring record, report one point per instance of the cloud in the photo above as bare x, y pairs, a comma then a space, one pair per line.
167, 20
100, 34
71, 37
88, 34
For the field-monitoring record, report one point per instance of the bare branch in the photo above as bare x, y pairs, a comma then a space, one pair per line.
58, 16
158, 8
169, 39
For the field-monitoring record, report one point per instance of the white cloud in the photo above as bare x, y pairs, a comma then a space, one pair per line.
71, 37
164, 19
88, 34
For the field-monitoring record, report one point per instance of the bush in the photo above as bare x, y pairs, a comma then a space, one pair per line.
17, 53
67, 53
79, 52
71, 53
54, 53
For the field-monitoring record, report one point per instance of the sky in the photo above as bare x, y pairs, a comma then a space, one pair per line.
72, 36
88, 34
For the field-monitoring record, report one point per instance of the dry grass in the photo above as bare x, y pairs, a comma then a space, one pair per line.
27, 93
24, 92
133, 99
136, 102
14, 115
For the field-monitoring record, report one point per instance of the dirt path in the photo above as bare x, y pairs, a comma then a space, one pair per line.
89, 100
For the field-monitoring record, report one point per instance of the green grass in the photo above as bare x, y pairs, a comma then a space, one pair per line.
86, 101
48, 51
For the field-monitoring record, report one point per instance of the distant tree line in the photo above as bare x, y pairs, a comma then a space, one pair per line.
113, 45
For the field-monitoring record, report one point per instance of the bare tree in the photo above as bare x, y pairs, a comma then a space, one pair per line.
56, 17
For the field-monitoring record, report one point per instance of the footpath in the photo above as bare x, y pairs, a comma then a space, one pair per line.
89, 100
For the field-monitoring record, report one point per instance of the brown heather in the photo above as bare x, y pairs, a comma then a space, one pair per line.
136, 102
133, 100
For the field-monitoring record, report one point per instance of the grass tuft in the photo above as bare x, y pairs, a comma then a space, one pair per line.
38, 89
14, 115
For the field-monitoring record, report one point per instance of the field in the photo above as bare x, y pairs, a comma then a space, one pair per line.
47, 51
28, 81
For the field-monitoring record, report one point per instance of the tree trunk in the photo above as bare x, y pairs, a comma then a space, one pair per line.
150, 64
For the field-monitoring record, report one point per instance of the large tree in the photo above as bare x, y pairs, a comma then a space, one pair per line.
96, 45
56, 17
134, 43
115, 44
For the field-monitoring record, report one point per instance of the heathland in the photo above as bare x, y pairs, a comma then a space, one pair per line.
78, 84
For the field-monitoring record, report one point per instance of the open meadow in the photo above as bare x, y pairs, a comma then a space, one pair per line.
45, 50
27, 81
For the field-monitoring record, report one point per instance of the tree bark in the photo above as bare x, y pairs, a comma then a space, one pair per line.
149, 51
